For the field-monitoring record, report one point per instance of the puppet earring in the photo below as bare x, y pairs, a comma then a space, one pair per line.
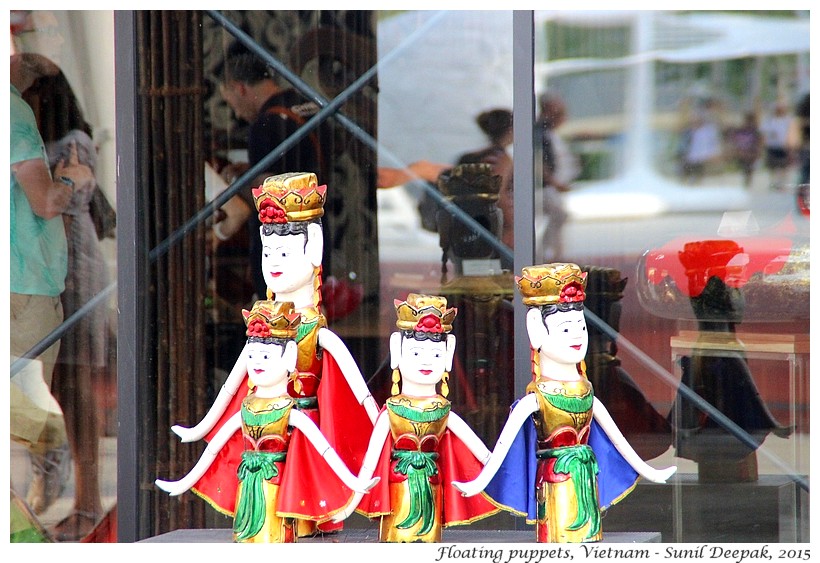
445, 389
297, 383
394, 390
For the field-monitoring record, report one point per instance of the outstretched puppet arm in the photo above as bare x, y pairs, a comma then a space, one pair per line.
381, 429
302, 422
175, 488
223, 399
645, 470
333, 344
519, 415
466, 434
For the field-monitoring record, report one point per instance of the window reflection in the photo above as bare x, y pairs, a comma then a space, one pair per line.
663, 172
69, 484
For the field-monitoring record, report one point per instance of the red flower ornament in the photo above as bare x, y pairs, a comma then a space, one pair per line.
429, 323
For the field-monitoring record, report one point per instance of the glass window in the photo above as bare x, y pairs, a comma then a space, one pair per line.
681, 207
670, 164
63, 286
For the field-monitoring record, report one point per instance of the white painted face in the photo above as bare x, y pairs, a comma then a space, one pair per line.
265, 364
285, 264
422, 361
566, 338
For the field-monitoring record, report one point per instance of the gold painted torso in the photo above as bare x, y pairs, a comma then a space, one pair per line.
566, 482
430, 414
562, 411
265, 432
417, 425
309, 355
265, 422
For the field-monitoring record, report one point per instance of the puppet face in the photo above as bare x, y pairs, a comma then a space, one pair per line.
564, 338
423, 362
266, 365
286, 264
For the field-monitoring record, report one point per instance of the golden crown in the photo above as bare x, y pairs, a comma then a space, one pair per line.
272, 319
424, 313
551, 283
294, 196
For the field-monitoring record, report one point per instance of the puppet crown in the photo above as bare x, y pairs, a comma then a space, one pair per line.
294, 196
549, 284
424, 313
272, 319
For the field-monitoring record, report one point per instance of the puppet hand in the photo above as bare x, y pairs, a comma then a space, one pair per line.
186, 434
173, 488
364, 485
662, 475
466, 489
342, 516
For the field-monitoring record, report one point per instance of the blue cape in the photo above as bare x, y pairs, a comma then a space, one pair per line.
513, 486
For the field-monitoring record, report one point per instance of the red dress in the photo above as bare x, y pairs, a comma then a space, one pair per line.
322, 388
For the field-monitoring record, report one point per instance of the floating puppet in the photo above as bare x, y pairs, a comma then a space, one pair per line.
326, 379
418, 445
288, 470
552, 462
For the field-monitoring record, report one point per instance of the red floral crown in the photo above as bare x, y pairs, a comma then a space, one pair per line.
424, 313
549, 284
271, 319
295, 196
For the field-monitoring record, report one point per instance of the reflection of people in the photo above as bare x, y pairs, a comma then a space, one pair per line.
801, 114
38, 264
426, 170
560, 168
84, 352
747, 142
775, 129
582, 467
288, 468
274, 113
327, 381
701, 146
497, 125
418, 444
85, 348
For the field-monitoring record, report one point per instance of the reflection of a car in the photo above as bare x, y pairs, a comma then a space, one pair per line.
770, 273
720, 283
